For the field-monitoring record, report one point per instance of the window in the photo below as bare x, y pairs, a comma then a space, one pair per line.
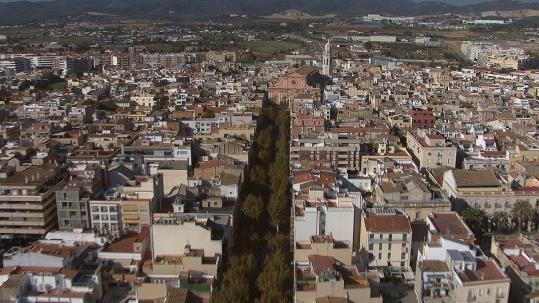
389, 246
390, 237
403, 256
381, 236
389, 256
371, 247
405, 237
371, 236
380, 246
379, 256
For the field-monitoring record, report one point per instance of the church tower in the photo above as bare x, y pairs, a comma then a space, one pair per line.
326, 61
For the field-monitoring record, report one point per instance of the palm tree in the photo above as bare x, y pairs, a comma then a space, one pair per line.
522, 213
501, 222
477, 220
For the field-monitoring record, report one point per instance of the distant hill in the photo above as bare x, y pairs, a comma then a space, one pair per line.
20, 12
470, 2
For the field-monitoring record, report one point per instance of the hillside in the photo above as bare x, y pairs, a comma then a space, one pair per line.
20, 12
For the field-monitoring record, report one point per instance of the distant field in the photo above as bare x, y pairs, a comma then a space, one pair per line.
268, 48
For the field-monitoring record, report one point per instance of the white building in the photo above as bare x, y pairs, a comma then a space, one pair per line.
315, 215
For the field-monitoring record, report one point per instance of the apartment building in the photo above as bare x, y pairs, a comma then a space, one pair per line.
324, 246
372, 163
386, 239
185, 251
400, 121
41, 284
317, 215
451, 269
28, 201
51, 271
449, 225
72, 200
303, 124
519, 255
122, 258
106, 217
323, 279
431, 149
338, 147
159, 151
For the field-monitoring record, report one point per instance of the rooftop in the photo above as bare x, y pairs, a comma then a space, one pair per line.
475, 178
387, 223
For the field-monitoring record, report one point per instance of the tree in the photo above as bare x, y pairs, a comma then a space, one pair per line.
265, 138
278, 209
258, 175
274, 279
522, 213
501, 223
253, 207
476, 219
368, 45
5, 95
208, 114
236, 285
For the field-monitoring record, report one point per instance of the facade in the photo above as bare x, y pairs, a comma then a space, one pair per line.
484, 189
386, 240
431, 150
106, 217
422, 118
73, 209
300, 81
412, 195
